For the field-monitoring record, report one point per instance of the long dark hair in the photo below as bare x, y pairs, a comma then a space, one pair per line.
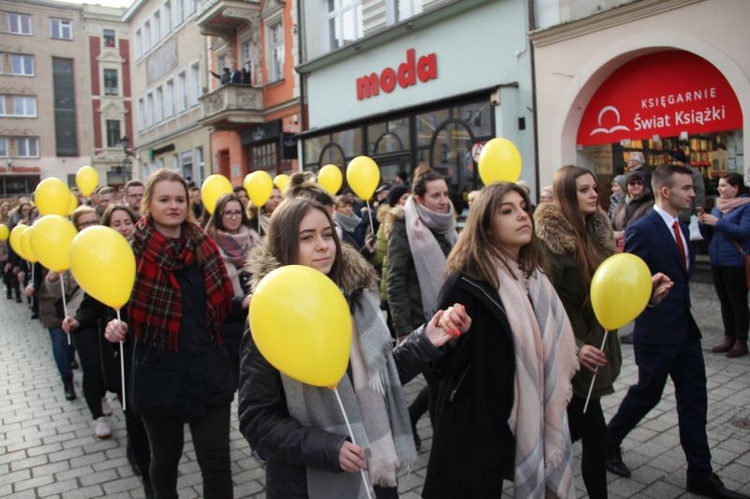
477, 240
283, 232
736, 180
566, 199
216, 223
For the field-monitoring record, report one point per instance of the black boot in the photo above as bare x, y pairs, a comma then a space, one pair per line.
148, 489
70, 391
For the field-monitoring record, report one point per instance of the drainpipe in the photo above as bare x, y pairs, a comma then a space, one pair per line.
531, 26
302, 83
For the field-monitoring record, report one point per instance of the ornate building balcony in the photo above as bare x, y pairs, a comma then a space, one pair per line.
232, 106
222, 18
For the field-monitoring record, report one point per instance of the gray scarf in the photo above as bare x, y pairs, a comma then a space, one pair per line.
428, 256
348, 223
376, 410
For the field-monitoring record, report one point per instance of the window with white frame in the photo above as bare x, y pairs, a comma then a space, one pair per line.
167, 19
111, 86
3, 147
20, 65
19, 24
146, 36
61, 29
405, 9
2, 105
195, 80
156, 28
27, 147
159, 105
169, 99
250, 64
344, 21
108, 38
149, 109
113, 133
190, 4
175, 161
24, 106
182, 92
138, 44
179, 15
276, 56
186, 160
141, 115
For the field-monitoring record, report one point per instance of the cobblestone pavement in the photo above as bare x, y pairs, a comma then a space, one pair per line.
47, 446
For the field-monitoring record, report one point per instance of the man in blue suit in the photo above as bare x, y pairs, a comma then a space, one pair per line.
666, 339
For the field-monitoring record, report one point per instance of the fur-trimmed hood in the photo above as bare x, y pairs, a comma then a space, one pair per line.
555, 230
356, 273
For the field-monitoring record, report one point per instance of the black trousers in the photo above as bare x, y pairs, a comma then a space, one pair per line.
87, 344
591, 429
210, 432
684, 364
731, 288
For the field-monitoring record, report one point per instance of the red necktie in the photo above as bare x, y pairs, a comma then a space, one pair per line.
678, 236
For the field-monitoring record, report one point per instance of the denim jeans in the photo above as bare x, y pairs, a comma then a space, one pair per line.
62, 352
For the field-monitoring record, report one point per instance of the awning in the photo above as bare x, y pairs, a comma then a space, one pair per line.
665, 94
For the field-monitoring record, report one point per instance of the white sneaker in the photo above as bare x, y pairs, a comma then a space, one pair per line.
102, 429
106, 409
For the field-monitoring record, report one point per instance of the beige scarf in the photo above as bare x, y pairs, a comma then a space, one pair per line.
546, 360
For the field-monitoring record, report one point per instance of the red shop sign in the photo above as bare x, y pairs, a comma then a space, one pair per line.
663, 94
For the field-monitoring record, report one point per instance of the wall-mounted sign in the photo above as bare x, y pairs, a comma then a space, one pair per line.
666, 94
423, 69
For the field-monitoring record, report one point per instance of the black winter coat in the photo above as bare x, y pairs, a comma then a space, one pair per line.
473, 449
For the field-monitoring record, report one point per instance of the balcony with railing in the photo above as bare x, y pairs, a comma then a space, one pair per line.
223, 18
232, 106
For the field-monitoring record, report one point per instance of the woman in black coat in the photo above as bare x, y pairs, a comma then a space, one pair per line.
506, 383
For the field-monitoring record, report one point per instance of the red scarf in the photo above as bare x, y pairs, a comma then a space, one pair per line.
156, 302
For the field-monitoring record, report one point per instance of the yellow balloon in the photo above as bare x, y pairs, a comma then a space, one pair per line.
4, 232
51, 241
52, 197
87, 178
73, 203
620, 290
212, 189
330, 178
363, 176
28, 252
281, 181
101, 251
15, 239
499, 161
301, 324
259, 186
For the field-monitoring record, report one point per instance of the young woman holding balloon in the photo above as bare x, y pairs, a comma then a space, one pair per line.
180, 370
299, 428
577, 238
93, 314
504, 386
229, 227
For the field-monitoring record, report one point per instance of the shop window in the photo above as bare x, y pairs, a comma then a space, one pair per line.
264, 157
350, 141
451, 153
110, 82
344, 22
332, 154
108, 36
19, 24
313, 147
389, 137
62, 29
113, 133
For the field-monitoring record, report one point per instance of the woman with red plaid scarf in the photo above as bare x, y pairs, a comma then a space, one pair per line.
180, 370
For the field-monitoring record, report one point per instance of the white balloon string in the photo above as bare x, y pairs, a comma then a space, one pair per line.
593, 378
122, 370
33, 296
65, 303
351, 435
369, 212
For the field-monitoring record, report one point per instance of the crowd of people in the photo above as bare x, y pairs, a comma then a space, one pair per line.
496, 316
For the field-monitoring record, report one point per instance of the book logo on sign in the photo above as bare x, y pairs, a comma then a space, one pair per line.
617, 127
424, 69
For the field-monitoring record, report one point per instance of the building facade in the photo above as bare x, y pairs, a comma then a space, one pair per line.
647, 77
46, 109
412, 82
252, 118
168, 80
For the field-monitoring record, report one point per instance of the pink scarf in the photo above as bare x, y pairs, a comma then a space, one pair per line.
727, 205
